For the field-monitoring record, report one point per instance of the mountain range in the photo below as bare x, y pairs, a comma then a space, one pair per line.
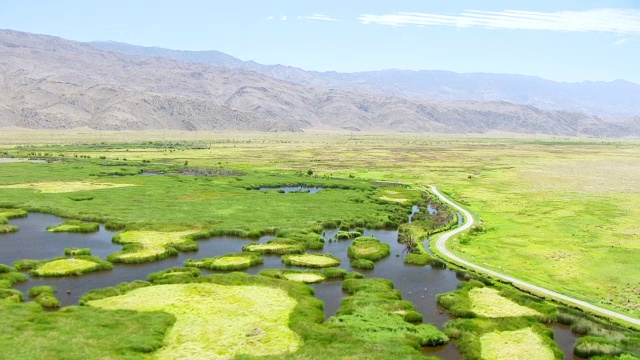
606, 99
51, 83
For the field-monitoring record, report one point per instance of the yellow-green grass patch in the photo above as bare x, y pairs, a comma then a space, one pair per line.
274, 248
76, 226
398, 200
216, 321
487, 302
521, 344
6, 214
307, 278
145, 246
368, 248
228, 262
310, 276
72, 266
54, 187
311, 260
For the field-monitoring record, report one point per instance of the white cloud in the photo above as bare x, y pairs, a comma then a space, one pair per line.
270, 18
618, 21
620, 41
317, 17
283, 18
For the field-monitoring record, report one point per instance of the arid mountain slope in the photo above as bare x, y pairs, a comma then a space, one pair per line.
52, 83
606, 99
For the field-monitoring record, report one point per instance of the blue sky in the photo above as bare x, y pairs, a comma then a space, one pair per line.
560, 40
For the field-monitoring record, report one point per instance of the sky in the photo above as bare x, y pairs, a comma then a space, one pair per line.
569, 40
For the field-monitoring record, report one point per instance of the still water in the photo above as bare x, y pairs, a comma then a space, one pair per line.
418, 284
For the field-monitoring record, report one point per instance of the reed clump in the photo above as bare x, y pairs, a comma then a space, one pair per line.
368, 248
45, 296
363, 264
77, 251
347, 235
176, 275
376, 312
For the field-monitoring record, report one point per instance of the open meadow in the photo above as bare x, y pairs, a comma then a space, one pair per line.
559, 213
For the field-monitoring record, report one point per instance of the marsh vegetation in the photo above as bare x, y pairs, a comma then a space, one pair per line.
162, 216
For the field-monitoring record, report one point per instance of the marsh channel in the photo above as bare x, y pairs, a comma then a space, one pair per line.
418, 284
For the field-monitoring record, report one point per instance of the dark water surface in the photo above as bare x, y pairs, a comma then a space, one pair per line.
288, 189
418, 284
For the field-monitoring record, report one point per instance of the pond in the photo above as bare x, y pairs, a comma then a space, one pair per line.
418, 284
294, 189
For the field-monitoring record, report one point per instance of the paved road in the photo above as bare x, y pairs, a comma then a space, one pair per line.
469, 221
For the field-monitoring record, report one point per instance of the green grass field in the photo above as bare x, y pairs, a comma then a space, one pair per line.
560, 213
202, 310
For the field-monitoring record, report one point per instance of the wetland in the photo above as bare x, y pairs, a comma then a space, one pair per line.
303, 236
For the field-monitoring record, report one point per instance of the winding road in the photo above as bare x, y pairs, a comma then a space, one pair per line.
441, 246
